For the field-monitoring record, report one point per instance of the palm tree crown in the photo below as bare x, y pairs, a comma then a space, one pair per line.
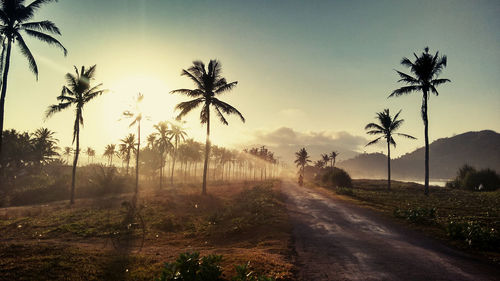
302, 158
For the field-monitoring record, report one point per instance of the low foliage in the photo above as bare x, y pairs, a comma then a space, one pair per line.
474, 234
344, 191
417, 215
336, 178
470, 179
243, 273
190, 267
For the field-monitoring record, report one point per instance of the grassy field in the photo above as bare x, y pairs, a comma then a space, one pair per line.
243, 222
464, 219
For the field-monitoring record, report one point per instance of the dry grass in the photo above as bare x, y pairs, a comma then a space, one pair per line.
58, 242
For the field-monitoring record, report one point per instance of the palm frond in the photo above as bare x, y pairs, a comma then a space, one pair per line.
29, 56
437, 82
407, 62
374, 126
221, 116
375, 132
407, 78
47, 39
374, 141
45, 25
90, 73
56, 108
405, 90
205, 113
190, 93
227, 108
406, 136
188, 106
91, 95
226, 87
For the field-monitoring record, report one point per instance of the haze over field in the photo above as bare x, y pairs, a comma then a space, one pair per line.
309, 73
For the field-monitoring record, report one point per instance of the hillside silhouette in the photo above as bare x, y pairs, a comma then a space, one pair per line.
479, 149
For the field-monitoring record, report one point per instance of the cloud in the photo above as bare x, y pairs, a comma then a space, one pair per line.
286, 141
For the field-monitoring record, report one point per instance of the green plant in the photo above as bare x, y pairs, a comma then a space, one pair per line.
336, 177
471, 179
417, 215
344, 191
190, 267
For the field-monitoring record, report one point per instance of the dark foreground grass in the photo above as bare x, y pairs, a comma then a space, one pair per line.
244, 222
465, 219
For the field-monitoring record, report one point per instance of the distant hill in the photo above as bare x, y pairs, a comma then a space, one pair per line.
479, 149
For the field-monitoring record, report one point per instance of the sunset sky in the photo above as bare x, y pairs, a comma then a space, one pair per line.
310, 73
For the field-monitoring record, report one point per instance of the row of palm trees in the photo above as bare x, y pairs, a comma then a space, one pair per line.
327, 159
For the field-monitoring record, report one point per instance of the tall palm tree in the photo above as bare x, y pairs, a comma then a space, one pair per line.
67, 152
178, 134
90, 152
163, 142
209, 85
78, 92
302, 158
426, 69
333, 156
15, 19
109, 152
386, 127
127, 146
136, 117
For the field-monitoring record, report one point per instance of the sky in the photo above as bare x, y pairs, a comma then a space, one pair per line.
310, 73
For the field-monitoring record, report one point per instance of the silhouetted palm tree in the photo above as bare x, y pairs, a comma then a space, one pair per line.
387, 127
333, 156
109, 152
136, 117
178, 134
426, 68
15, 19
325, 158
44, 145
78, 92
302, 158
126, 148
209, 84
90, 153
163, 142
67, 152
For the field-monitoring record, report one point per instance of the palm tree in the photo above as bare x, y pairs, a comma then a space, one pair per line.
44, 145
136, 117
15, 19
126, 148
209, 84
386, 127
325, 158
302, 158
163, 142
426, 68
78, 92
67, 152
109, 152
90, 153
178, 134
333, 156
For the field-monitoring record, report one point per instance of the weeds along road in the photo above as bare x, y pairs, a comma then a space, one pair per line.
337, 240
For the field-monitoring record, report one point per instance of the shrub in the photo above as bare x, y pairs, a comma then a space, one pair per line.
417, 215
344, 191
190, 267
471, 179
336, 177
474, 234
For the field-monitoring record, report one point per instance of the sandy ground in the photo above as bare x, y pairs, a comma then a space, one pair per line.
337, 240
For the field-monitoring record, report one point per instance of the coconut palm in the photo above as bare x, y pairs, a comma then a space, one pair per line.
77, 92
67, 152
136, 116
44, 145
426, 68
325, 158
333, 156
209, 85
15, 19
127, 146
386, 127
90, 153
164, 144
302, 158
178, 134
109, 152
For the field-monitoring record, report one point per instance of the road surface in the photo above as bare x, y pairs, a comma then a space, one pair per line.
337, 240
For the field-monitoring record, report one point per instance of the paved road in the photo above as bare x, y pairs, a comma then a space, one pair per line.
337, 240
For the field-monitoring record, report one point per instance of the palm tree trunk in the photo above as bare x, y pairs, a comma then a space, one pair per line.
173, 163
4, 90
75, 162
161, 169
426, 134
388, 165
137, 159
207, 152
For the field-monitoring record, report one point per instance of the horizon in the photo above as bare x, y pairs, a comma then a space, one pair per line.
303, 69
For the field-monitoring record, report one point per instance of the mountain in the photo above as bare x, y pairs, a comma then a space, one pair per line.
479, 149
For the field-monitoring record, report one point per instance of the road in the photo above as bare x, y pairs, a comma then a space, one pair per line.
337, 240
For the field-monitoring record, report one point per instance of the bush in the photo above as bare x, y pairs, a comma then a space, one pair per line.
102, 180
190, 267
471, 179
474, 234
417, 215
243, 273
336, 178
344, 191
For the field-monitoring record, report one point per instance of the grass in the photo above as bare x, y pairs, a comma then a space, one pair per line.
433, 214
244, 222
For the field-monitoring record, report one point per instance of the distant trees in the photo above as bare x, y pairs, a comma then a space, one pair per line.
209, 84
90, 154
426, 69
109, 152
126, 147
301, 159
386, 127
77, 92
177, 134
333, 157
15, 19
